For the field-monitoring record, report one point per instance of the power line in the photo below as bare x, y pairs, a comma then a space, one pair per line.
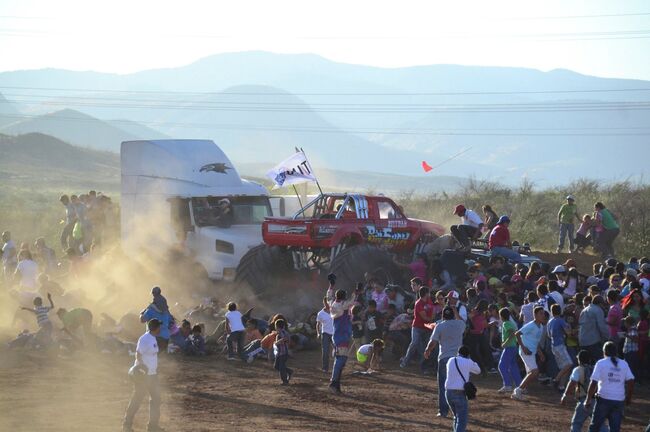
432, 132
486, 108
470, 93
43, 98
577, 16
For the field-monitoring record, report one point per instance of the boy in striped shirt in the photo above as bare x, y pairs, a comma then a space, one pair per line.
44, 334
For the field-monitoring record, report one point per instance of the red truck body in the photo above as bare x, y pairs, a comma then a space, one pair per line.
334, 219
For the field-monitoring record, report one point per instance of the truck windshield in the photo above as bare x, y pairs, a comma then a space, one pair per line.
227, 211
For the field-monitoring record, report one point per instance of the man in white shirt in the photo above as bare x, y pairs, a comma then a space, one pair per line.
459, 369
325, 330
470, 227
145, 379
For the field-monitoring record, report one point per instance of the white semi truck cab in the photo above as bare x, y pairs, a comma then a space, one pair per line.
186, 194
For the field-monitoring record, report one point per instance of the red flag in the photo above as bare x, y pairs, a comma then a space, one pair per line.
426, 167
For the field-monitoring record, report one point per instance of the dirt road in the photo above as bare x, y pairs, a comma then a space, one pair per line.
89, 392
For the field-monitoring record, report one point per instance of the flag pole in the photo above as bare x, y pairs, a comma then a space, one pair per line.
297, 195
317, 184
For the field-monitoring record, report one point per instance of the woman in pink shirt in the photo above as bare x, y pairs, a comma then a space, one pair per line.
615, 314
478, 338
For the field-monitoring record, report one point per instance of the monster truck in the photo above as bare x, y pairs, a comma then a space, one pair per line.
345, 234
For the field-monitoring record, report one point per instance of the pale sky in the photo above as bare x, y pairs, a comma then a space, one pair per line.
594, 37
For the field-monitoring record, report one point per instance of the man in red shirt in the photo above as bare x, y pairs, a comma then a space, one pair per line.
499, 241
422, 314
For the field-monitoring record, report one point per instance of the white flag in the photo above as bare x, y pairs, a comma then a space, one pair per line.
294, 170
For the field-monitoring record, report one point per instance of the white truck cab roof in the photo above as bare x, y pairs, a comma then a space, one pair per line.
182, 168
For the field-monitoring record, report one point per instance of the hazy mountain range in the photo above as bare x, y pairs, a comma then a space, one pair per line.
258, 106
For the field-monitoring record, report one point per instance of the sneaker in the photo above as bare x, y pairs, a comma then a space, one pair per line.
289, 375
505, 389
493, 371
335, 390
441, 415
231, 358
518, 395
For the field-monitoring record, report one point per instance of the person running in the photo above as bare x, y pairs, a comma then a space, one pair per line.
422, 315
459, 369
611, 386
469, 228
340, 312
499, 242
557, 329
528, 338
508, 366
281, 351
565, 216
145, 379
324, 331
577, 387
447, 333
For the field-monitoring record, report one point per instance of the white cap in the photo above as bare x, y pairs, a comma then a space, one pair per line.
570, 197
453, 294
559, 269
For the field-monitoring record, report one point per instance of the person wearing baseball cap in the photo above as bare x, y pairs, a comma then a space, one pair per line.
469, 228
565, 216
499, 241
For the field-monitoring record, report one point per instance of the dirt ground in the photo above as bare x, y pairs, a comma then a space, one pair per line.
89, 392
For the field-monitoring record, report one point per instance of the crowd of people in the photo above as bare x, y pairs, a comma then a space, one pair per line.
586, 335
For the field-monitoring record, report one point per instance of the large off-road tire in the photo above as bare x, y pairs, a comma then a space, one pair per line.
262, 269
352, 263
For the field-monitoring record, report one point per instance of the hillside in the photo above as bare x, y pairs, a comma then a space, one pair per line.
8, 111
41, 162
73, 127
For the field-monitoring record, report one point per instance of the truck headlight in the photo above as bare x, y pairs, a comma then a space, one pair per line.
224, 247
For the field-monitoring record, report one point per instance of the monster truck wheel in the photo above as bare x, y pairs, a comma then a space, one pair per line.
352, 263
261, 269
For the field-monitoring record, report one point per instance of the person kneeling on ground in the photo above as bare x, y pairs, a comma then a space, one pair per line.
369, 355
196, 343
74, 319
